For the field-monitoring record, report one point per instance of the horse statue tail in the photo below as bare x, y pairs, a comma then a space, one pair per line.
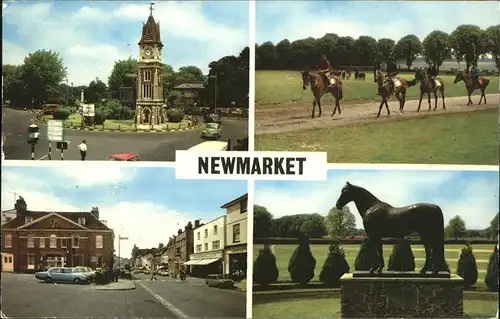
412, 82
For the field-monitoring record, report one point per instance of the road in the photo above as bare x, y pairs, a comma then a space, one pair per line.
23, 296
148, 146
297, 117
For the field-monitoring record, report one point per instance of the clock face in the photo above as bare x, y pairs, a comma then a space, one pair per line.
148, 52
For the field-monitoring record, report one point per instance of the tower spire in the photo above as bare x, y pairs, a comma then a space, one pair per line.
151, 8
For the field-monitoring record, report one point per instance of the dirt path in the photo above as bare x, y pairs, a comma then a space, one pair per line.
292, 118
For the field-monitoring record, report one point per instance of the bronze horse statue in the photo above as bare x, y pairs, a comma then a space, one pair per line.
426, 87
471, 85
382, 220
319, 86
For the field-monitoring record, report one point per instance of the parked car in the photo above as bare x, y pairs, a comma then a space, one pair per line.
85, 270
63, 274
212, 117
212, 130
210, 146
124, 157
163, 271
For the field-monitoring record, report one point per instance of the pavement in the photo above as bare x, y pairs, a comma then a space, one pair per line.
148, 146
118, 285
24, 296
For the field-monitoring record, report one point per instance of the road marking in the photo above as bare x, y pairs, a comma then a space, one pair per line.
2, 315
165, 303
41, 158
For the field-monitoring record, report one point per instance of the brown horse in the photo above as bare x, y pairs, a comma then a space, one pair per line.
319, 86
385, 90
471, 85
400, 87
426, 87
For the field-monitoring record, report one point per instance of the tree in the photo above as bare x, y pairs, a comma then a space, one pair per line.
295, 226
334, 267
285, 53
367, 50
402, 258
492, 43
267, 55
491, 278
467, 43
455, 227
367, 256
436, 47
386, 49
14, 89
492, 230
408, 48
189, 74
118, 75
96, 92
467, 267
41, 73
344, 50
340, 222
302, 263
261, 222
265, 270
135, 253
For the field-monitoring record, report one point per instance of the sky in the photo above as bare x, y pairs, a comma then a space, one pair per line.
277, 20
91, 35
471, 194
148, 205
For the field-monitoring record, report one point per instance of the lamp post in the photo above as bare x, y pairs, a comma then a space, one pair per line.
214, 76
120, 238
33, 136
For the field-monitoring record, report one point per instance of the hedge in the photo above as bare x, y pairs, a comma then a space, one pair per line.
221, 283
223, 112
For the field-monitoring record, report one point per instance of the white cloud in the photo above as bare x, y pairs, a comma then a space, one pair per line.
88, 175
476, 202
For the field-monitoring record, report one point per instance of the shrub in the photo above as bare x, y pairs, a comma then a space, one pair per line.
175, 115
61, 114
367, 256
99, 118
467, 267
221, 283
402, 258
491, 278
101, 277
335, 266
302, 263
265, 270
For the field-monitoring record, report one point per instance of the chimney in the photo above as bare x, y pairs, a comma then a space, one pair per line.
197, 223
189, 226
21, 207
95, 211
179, 232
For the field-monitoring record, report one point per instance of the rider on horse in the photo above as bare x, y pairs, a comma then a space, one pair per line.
392, 71
474, 72
326, 68
432, 73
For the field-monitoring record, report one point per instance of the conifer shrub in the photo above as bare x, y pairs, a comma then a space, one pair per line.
402, 258
334, 267
367, 256
265, 270
302, 263
491, 278
467, 267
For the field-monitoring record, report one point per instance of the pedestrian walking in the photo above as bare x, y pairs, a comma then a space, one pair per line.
153, 274
82, 147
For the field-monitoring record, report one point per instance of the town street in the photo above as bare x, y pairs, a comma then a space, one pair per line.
148, 146
24, 296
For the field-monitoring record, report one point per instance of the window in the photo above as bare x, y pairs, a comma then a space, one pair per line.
28, 219
198, 248
41, 243
81, 220
243, 205
216, 245
10, 259
8, 240
198, 235
236, 233
206, 233
76, 242
215, 229
147, 91
206, 246
31, 241
53, 241
31, 261
147, 76
99, 241
64, 242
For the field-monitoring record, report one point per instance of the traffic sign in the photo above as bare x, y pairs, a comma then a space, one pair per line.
55, 130
88, 109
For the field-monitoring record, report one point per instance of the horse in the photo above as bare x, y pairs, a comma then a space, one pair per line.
400, 86
426, 87
382, 220
471, 86
319, 86
385, 90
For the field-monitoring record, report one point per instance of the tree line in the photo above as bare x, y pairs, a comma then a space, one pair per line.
467, 43
42, 79
341, 223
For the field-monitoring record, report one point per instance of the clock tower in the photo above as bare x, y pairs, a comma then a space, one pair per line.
149, 78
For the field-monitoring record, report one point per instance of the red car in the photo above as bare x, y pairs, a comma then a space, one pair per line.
128, 157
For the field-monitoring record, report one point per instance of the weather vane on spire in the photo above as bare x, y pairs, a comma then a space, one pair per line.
151, 6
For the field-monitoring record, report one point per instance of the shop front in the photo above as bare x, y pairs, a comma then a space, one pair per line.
206, 263
236, 261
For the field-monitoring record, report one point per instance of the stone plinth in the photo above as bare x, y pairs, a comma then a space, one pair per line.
401, 297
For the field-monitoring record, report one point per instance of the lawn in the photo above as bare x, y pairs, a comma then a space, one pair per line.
328, 308
278, 87
457, 138
283, 252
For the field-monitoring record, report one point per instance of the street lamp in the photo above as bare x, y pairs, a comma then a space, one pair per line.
33, 136
120, 238
214, 76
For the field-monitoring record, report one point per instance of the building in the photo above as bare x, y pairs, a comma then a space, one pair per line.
36, 240
188, 94
180, 247
8, 215
149, 104
209, 243
235, 252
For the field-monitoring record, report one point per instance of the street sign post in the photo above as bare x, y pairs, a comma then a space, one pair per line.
88, 110
55, 133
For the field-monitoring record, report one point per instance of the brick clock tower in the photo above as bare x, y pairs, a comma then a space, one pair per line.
149, 105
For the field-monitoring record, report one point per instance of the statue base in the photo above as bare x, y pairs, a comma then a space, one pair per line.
380, 296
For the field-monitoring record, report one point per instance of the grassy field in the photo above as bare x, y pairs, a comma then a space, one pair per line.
458, 138
273, 88
330, 308
452, 252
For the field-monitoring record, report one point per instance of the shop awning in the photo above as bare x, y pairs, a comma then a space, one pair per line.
206, 261
191, 262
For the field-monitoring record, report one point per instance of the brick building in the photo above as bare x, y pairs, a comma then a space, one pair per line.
180, 246
35, 240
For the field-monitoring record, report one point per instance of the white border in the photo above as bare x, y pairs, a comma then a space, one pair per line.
251, 87
249, 279
59, 163
410, 167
